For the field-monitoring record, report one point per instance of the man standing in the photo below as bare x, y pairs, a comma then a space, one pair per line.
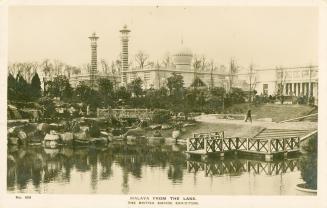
248, 116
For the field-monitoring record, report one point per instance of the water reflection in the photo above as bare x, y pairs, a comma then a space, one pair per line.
124, 168
237, 167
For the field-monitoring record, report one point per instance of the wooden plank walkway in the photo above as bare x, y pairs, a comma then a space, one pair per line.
214, 143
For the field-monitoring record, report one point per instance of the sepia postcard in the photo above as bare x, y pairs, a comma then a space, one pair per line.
163, 104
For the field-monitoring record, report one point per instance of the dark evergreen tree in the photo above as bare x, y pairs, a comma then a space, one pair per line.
12, 85
36, 86
23, 89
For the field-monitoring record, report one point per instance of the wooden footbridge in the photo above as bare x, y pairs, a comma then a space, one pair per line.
214, 143
143, 114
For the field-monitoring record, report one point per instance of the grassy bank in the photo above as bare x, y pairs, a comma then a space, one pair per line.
274, 111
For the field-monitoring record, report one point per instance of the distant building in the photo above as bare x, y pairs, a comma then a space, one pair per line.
156, 76
292, 81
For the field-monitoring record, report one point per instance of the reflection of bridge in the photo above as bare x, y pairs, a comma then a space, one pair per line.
238, 166
206, 144
142, 114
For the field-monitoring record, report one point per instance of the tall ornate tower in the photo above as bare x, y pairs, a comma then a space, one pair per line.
93, 69
124, 54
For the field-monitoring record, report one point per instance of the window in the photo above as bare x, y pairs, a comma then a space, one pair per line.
265, 89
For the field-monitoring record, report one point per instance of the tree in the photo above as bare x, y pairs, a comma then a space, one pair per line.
22, 89
167, 61
87, 95
175, 84
36, 86
233, 70
106, 90
135, 87
212, 68
141, 59
197, 62
197, 82
82, 91
123, 93
235, 96
60, 87
281, 77
252, 82
12, 85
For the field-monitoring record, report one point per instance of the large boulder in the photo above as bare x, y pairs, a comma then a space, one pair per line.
80, 135
67, 138
13, 141
137, 132
22, 135
43, 127
85, 129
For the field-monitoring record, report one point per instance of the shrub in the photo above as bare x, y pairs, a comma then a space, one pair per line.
94, 130
308, 164
161, 116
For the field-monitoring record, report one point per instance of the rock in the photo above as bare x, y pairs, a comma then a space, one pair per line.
137, 132
85, 129
11, 160
67, 138
166, 126
80, 136
55, 126
51, 137
188, 124
51, 140
176, 134
99, 141
11, 130
44, 127
104, 134
155, 127
13, 141
21, 135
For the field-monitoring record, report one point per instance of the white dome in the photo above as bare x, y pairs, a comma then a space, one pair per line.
183, 56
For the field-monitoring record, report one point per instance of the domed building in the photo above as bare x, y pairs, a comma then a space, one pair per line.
155, 76
183, 59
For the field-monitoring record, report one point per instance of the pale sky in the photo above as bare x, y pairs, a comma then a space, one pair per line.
264, 36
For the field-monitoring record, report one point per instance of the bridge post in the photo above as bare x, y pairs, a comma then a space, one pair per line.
205, 144
204, 157
188, 144
269, 157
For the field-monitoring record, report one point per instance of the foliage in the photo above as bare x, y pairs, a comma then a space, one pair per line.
106, 91
161, 116
48, 107
308, 164
197, 82
36, 86
122, 93
94, 130
135, 87
175, 84
235, 96
60, 87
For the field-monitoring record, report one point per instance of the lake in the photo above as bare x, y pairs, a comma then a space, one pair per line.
144, 168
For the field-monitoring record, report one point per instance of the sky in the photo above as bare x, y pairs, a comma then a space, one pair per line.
263, 36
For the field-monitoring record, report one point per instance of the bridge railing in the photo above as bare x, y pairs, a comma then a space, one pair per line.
125, 113
216, 142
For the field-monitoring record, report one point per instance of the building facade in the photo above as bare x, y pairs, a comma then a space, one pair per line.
292, 81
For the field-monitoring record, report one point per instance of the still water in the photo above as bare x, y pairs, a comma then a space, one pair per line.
129, 168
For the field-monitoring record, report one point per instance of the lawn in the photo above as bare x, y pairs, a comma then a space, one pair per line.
275, 111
